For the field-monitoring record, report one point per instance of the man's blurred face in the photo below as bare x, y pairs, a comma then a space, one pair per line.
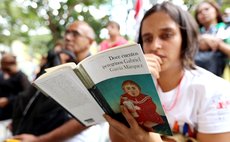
8, 64
76, 39
113, 29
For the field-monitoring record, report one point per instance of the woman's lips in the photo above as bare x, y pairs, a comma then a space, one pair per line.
161, 56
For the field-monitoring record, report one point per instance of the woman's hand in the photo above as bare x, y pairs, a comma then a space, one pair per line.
207, 42
3, 102
135, 133
26, 138
154, 63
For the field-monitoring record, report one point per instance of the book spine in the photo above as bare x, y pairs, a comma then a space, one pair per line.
86, 78
95, 92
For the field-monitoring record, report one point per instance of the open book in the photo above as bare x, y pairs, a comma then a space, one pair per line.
102, 83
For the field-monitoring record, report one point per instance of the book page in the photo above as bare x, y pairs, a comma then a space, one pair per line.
127, 60
65, 88
70, 64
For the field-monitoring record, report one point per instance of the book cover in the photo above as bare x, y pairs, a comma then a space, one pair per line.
138, 94
119, 76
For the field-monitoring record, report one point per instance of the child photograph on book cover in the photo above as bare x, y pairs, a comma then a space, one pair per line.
139, 105
138, 94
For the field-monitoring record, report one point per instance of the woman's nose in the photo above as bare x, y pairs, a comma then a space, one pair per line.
156, 44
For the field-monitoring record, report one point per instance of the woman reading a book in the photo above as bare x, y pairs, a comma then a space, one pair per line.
195, 107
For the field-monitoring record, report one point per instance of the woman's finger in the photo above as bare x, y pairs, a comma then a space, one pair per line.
153, 59
154, 64
130, 119
117, 126
154, 71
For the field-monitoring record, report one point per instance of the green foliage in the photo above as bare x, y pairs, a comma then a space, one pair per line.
191, 3
97, 25
33, 15
225, 4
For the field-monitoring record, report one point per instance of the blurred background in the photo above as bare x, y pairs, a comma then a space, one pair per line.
29, 28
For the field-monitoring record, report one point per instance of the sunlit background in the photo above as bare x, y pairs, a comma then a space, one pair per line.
29, 28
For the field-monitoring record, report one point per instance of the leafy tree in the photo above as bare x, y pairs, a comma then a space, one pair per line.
23, 17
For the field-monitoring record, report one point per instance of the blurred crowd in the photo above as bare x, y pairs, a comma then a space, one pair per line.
33, 117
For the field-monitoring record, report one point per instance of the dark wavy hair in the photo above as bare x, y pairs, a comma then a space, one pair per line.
188, 28
214, 5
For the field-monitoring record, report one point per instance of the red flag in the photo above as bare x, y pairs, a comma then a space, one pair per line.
138, 6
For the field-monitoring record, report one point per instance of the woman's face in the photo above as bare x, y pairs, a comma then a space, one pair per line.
206, 14
161, 36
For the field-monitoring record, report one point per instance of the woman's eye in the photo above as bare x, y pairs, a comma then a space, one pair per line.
147, 40
206, 9
166, 35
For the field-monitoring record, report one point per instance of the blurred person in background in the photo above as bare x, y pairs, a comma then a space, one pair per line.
215, 41
115, 39
12, 82
226, 16
79, 36
34, 113
52, 58
40, 119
